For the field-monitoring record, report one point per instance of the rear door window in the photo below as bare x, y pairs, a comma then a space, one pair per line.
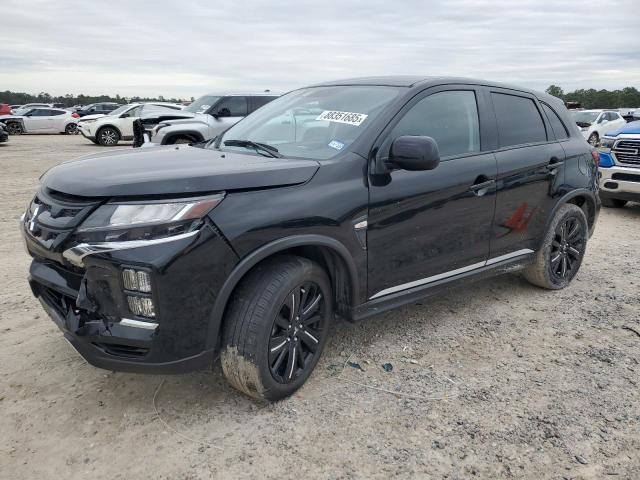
519, 120
556, 123
449, 117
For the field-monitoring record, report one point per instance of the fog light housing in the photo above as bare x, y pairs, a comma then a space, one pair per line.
141, 306
135, 281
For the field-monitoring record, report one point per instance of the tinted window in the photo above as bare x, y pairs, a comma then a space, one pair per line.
519, 120
232, 107
55, 113
40, 112
556, 124
450, 118
260, 101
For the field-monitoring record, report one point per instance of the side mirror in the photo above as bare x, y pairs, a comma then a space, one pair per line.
413, 153
224, 112
125, 115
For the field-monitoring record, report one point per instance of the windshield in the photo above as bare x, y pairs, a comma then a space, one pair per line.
314, 123
22, 111
585, 117
121, 109
202, 104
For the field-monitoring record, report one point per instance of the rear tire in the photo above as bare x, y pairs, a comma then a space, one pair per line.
613, 202
276, 326
560, 256
108, 136
71, 129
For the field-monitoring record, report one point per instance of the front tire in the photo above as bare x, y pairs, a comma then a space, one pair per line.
594, 139
613, 202
562, 251
108, 137
14, 128
276, 327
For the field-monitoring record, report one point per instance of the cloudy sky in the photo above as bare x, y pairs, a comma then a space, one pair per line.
188, 47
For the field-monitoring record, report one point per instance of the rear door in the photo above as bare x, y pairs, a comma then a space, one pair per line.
59, 119
424, 226
530, 173
258, 101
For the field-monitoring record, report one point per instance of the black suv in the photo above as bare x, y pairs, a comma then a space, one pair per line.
342, 199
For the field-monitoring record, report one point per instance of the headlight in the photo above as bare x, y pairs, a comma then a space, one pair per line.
607, 142
122, 221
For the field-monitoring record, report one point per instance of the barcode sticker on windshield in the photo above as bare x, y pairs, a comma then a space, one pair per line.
349, 118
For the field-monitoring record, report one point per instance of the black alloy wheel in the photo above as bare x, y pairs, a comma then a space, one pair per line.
560, 255
14, 128
296, 333
567, 248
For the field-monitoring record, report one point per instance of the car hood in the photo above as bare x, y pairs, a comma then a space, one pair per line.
629, 128
173, 170
194, 118
92, 117
7, 117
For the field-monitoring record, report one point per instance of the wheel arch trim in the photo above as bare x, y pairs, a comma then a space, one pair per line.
579, 192
273, 248
194, 133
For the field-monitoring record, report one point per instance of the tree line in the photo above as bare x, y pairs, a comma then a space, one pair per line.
628, 97
69, 100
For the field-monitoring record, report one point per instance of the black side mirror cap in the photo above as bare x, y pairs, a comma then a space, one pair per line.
413, 153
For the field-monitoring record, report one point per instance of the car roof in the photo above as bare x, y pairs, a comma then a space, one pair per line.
592, 110
241, 94
423, 81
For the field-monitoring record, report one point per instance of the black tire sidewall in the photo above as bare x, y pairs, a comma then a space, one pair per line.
309, 272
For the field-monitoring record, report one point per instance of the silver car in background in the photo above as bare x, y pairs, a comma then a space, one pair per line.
209, 115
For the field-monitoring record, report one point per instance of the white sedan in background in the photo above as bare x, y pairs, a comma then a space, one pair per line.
41, 120
594, 124
108, 130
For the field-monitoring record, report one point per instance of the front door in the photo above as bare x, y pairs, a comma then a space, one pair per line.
430, 225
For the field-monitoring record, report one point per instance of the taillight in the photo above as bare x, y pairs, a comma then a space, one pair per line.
75, 115
596, 157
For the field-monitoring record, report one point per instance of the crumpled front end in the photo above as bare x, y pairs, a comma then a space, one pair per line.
140, 306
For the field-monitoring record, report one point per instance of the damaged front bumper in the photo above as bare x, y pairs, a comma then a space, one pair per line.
82, 290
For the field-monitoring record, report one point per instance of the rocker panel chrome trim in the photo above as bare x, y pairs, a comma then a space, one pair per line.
451, 273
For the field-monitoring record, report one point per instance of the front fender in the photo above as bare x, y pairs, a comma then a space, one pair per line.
268, 250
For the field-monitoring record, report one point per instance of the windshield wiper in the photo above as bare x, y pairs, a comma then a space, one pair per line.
261, 147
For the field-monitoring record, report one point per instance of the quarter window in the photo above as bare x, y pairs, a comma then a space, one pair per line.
519, 120
556, 124
450, 118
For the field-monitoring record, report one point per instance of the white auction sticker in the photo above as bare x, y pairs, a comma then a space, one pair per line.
349, 118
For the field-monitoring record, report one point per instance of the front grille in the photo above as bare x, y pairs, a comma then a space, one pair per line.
52, 217
627, 151
626, 177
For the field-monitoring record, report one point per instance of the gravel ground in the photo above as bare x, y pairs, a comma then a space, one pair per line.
499, 379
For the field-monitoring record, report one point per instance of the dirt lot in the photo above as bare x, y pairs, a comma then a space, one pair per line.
501, 380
